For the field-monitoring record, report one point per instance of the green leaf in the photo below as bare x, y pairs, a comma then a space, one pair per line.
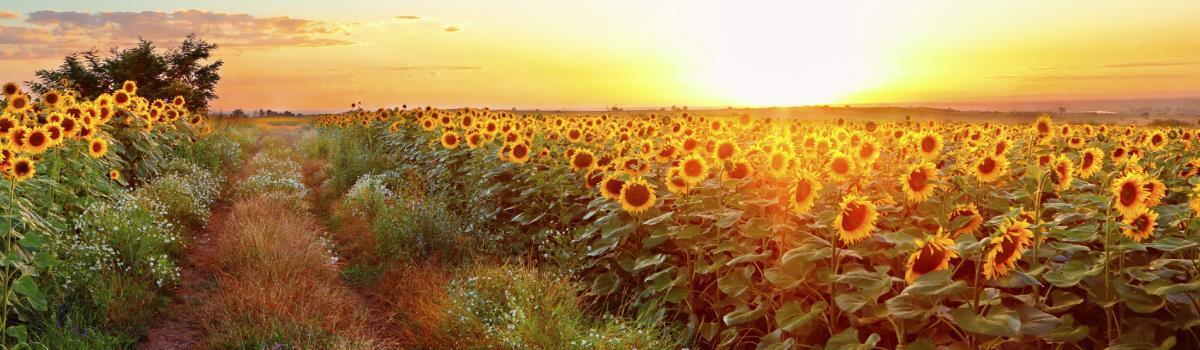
735, 282
911, 306
27, 287
658, 219
1170, 244
605, 284
1137, 299
1063, 301
1000, 322
848, 340
19, 332
1069, 274
793, 315
937, 283
1171, 288
743, 313
32, 240
1067, 332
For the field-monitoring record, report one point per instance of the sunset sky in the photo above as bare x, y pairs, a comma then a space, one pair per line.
310, 55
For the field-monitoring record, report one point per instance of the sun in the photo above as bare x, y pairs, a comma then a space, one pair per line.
790, 54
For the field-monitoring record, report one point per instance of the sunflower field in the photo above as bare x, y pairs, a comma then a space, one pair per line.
98, 195
770, 233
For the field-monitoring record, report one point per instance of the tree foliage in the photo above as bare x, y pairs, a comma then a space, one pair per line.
183, 71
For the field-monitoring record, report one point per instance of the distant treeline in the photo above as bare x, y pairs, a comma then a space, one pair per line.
239, 113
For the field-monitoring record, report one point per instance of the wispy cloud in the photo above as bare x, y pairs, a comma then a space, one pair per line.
51, 33
436, 68
1148, 64
9, 15
1081, 77
408, 18
453, 28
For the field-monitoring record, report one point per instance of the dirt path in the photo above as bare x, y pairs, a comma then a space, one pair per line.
181, 328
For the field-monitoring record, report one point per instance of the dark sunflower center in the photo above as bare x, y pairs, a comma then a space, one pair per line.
1088, 158
637, 195
928, 144
1129, 192
37, 139
854, 216
1142, 223
841, 166
987, 166
739, 171
18, 103
1008, 249
725, 150
582, 160
692, 168
917, 180
21, 168
803, 190
866, 151
614, 186
928, 260
520, 151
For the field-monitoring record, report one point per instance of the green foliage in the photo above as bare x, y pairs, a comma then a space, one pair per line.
525, 308
185, 191
182, 71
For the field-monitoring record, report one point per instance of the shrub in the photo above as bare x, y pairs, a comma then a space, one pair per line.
186, 191
525, 308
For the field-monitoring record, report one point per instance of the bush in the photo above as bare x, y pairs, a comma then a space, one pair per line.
524, 308
275, 178
186, 191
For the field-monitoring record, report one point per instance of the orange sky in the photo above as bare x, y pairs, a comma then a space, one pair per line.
313, 55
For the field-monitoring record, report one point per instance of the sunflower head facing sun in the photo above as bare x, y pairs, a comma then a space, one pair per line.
636, 196
856, 220
1006, 247
917, 182
804, 192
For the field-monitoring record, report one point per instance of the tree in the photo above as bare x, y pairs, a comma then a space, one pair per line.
183, 71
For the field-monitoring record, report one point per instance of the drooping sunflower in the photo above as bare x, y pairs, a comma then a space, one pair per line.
1129, 193
1042, 125
693, 169
932, 254
583, 160
1156, 189
1090, 162
610, 186
804, 192
637, 196
917, 181
676, 183
737, 170
1062, 173
990, 168
968, 210
1006, 247
1141, 225
450, 140
22, 169
97, 147
856, 220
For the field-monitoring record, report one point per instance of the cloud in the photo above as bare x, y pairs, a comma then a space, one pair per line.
452, 28
48, 34
9, 15
436, 68
1148, 64
408, 18
1080, 77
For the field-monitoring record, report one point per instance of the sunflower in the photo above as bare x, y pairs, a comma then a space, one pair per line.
114, 174
1062, 173
7, 125
55, 131
583, 160
693, 169
916, 182
18, 103
1141, 225
1007, 245
968, 211
121, 98
6, 158
1129, 194
990, 168
856, 219
129, 87
610, 186
52, 98
1157, 191
1090, 162
778, 163
929, 145
634, 166
676, 183
737, 170
932, 254
36, 141
22, 169
97, 147
868, 152
450, 140
11, 88
1157, 141
1194, 200
726, 150
178, 101
804, 192
519, 153
636, 195
839, 166
1042, 125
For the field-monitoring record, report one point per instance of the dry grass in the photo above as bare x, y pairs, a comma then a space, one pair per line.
412, 299
277, 282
